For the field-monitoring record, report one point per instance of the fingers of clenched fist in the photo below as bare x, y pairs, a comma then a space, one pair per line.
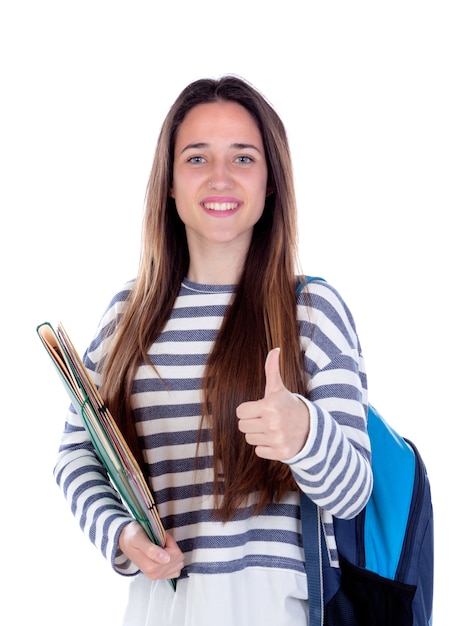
154, 561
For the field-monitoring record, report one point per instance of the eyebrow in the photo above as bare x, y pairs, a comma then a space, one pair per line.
235, 146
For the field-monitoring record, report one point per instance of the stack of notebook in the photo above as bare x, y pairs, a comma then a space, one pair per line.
108, 441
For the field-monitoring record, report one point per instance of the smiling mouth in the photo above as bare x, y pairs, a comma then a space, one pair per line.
220, 206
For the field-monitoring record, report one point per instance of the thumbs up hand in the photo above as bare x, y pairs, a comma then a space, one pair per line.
278, 424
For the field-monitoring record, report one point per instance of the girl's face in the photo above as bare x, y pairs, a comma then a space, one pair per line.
219, 175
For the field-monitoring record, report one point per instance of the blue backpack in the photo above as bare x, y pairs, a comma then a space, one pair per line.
386, 552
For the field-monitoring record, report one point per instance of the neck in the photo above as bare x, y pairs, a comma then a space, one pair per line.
216, 267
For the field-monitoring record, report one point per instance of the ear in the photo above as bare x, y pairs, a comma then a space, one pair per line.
269, 191
171, 193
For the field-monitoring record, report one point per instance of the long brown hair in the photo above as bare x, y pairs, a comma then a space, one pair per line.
262, 314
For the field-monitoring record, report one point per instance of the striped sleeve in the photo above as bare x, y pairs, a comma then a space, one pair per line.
333, 468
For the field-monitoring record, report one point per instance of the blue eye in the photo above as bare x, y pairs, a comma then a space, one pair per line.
196, 159
244, 159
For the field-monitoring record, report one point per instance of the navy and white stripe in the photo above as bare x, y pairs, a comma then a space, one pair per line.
333, 467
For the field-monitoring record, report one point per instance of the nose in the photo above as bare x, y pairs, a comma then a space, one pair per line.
220, 177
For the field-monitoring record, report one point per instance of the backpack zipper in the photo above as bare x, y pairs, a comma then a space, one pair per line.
418, 490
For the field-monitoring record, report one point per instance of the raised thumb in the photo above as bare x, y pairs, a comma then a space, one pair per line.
272, 370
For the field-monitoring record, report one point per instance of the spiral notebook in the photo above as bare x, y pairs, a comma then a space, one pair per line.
107, 439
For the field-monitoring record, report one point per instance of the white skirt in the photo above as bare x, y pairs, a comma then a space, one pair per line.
249, 597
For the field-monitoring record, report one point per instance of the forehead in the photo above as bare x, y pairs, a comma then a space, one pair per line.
217, 121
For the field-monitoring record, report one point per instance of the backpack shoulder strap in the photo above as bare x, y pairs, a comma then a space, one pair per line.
304, 282
312, 540
312, 533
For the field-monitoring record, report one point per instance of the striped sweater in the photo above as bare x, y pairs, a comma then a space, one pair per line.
333, 467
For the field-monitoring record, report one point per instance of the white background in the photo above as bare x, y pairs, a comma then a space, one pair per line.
365, 90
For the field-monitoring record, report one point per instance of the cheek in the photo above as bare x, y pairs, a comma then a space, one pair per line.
184, 185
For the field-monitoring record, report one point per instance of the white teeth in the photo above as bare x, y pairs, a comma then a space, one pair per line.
220, 206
